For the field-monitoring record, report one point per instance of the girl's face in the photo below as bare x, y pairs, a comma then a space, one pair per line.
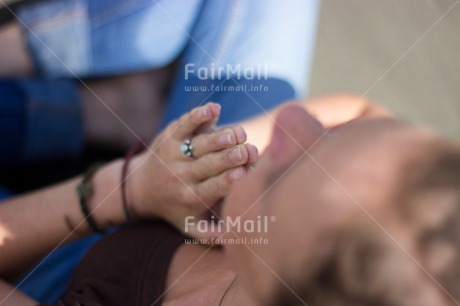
309, 185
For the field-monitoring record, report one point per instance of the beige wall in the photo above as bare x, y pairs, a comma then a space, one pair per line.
404, 54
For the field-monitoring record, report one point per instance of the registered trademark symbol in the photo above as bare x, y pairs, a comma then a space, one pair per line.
272, 218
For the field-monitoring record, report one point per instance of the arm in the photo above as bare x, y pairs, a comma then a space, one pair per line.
161, 182
329, 110
35, 223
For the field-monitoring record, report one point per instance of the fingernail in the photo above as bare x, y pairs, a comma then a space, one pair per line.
253, 153
217, 108
206, 113
236, 174
236, 154
241, 134
227, 138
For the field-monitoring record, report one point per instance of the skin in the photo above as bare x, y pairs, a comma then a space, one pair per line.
322, 195
367, 145
162, 183
373, 136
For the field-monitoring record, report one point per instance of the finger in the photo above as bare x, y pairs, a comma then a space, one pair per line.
209, 126
217, 187
241, 135
191, 121
211, 191
225, 138
215, 163
253, 153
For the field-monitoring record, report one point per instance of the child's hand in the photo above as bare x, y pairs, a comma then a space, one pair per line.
171, 185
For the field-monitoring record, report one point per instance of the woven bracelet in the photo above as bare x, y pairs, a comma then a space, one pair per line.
85, 191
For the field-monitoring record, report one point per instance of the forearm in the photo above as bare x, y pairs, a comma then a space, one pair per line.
164, 184
34, 224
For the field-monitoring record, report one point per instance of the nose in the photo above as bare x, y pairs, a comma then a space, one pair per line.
294, 132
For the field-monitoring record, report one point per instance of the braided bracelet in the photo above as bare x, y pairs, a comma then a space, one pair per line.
85, 191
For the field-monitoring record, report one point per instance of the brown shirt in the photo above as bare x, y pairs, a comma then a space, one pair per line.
128, 267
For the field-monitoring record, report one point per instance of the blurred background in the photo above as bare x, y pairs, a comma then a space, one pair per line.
402, 54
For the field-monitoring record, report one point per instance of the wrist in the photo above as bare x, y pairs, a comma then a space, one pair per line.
136, 186
85, 192
106, 204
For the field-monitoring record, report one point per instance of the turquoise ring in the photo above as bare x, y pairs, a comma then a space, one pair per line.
187, 148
